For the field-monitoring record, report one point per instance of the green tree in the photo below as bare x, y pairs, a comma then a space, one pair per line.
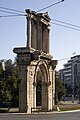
60, 91
9, 83
1, 78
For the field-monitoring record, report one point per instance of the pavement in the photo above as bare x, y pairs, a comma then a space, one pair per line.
35, 113
61, 107
65, 107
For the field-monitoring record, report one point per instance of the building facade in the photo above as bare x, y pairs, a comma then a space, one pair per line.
71, 75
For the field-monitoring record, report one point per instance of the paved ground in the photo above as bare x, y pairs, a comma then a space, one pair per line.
59, 107
63, 106
42, 116
68, 115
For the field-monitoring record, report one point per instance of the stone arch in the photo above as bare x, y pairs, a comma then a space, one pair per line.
42, 69
33, 57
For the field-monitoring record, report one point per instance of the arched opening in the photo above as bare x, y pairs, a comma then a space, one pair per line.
42, 85
39, 89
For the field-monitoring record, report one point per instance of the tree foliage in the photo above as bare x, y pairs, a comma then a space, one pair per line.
9, 83
60, 91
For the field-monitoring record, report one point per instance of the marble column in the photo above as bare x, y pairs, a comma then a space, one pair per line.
29, 31
47, 42
34, 34
39, 36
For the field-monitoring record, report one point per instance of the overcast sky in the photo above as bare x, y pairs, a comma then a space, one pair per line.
63, 41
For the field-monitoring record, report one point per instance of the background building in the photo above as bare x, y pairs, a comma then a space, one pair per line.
70, 75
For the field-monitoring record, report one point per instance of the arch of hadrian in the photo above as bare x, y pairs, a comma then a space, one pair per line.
36, 67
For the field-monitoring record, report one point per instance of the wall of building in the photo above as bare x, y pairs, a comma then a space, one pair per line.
71, 73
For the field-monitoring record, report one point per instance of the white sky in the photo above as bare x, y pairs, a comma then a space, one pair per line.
63, 41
